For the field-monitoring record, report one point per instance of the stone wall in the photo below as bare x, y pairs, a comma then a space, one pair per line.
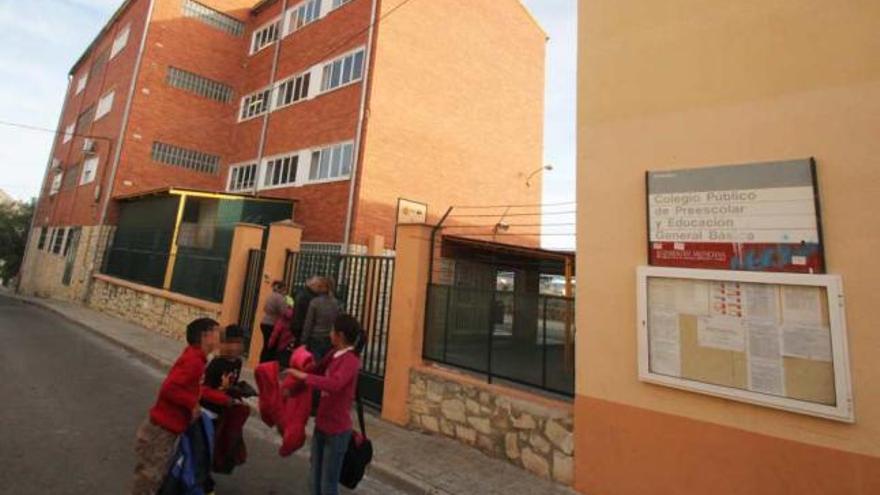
162, 311
533, 434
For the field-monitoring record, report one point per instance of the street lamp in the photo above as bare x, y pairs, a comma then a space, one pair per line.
548, 168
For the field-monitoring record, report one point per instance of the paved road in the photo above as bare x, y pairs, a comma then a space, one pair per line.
71, 403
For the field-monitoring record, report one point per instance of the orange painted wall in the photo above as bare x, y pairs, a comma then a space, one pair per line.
690, 83
455, 111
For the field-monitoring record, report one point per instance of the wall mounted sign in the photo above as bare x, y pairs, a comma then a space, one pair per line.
756, 217
409, 212
772, 339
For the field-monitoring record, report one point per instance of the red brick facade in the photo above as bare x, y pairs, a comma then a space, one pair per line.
160, 112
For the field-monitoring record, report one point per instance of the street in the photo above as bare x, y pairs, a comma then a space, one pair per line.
72, 403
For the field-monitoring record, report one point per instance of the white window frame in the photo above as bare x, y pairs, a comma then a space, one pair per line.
89, 170
81, 83
68, 133
264, 171
105, 105
242, 166
276, 91
241, 106
329, 148
335, 4
254, 49
56, 183
120, 42
341, 58
304, 6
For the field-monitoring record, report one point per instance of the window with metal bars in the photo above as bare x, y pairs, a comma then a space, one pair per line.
255, 104
185, 158
212, 17
197, 84
293, 90
99, 64
344, 70
84, 120
58, 240
242, 177
303, 14
41, 242
265, 36
281, 171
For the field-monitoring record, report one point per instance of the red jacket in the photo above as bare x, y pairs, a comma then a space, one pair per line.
337, 386
180, 391
290, 413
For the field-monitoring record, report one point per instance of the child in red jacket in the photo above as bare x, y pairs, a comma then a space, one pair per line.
176, 407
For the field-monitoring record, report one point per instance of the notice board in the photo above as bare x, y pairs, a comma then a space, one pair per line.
773, 339
754, 217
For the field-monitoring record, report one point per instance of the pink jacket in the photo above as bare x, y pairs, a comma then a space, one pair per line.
281, 333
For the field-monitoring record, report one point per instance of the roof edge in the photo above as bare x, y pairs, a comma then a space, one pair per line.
116, 15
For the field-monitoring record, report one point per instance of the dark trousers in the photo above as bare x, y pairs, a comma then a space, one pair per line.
266, 354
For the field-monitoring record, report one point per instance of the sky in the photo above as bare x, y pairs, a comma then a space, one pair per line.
41, 39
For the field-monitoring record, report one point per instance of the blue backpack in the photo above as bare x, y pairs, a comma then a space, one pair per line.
191, 461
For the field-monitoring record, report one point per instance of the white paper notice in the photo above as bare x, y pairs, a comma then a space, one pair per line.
665, 342
726, 299
765, 376
764, 341
661, 293
761, 301
806, 341
801, 304
692, 297
721, 332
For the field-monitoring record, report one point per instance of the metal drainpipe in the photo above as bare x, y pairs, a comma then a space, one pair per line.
346, 235
107, 189
265, 129
27, 243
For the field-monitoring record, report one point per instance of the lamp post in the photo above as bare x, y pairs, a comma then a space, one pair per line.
547, 168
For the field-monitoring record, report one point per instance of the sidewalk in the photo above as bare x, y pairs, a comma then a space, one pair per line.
408, 460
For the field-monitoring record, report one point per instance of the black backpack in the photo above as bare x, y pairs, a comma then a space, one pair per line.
359, 453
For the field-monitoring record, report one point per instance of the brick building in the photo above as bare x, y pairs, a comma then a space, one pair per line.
340, 107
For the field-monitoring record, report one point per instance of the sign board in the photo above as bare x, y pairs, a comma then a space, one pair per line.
757, 217
410, 212
772, 339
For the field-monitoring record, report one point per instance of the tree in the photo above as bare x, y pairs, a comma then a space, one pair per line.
15, 219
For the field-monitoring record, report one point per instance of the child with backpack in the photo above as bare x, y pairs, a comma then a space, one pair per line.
176, 407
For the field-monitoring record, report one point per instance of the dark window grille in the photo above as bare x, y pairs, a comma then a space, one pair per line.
185, 158
212, 17
198, 85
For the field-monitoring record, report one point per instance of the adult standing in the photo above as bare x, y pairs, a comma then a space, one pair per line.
336, 379
301, 303
320, 318
272, 311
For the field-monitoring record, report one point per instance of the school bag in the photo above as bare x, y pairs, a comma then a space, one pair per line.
359, 453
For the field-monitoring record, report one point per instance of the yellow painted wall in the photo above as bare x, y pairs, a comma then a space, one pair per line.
456, 109
689, 83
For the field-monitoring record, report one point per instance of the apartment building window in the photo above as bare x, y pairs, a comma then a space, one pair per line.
56, 183
281, 171
265, 36
242, 177
81, 83
89, 168
84, 120
71, 232
303, 14
120, 41
105, 104
99, 64
58, 240
212, 17
332, 162
293, 90
71, 176
342, 71
255, 104
68, 133
339, 3
41, 241
185, 158
198, 85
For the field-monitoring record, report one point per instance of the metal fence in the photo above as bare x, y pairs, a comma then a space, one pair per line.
363, 287
523, 338
250, 293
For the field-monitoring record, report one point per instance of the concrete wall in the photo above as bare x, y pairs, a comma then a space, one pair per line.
165, 312
690, 83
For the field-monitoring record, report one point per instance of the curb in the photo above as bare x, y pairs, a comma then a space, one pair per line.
381, 471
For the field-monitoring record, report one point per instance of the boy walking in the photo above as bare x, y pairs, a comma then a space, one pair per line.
176, 407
